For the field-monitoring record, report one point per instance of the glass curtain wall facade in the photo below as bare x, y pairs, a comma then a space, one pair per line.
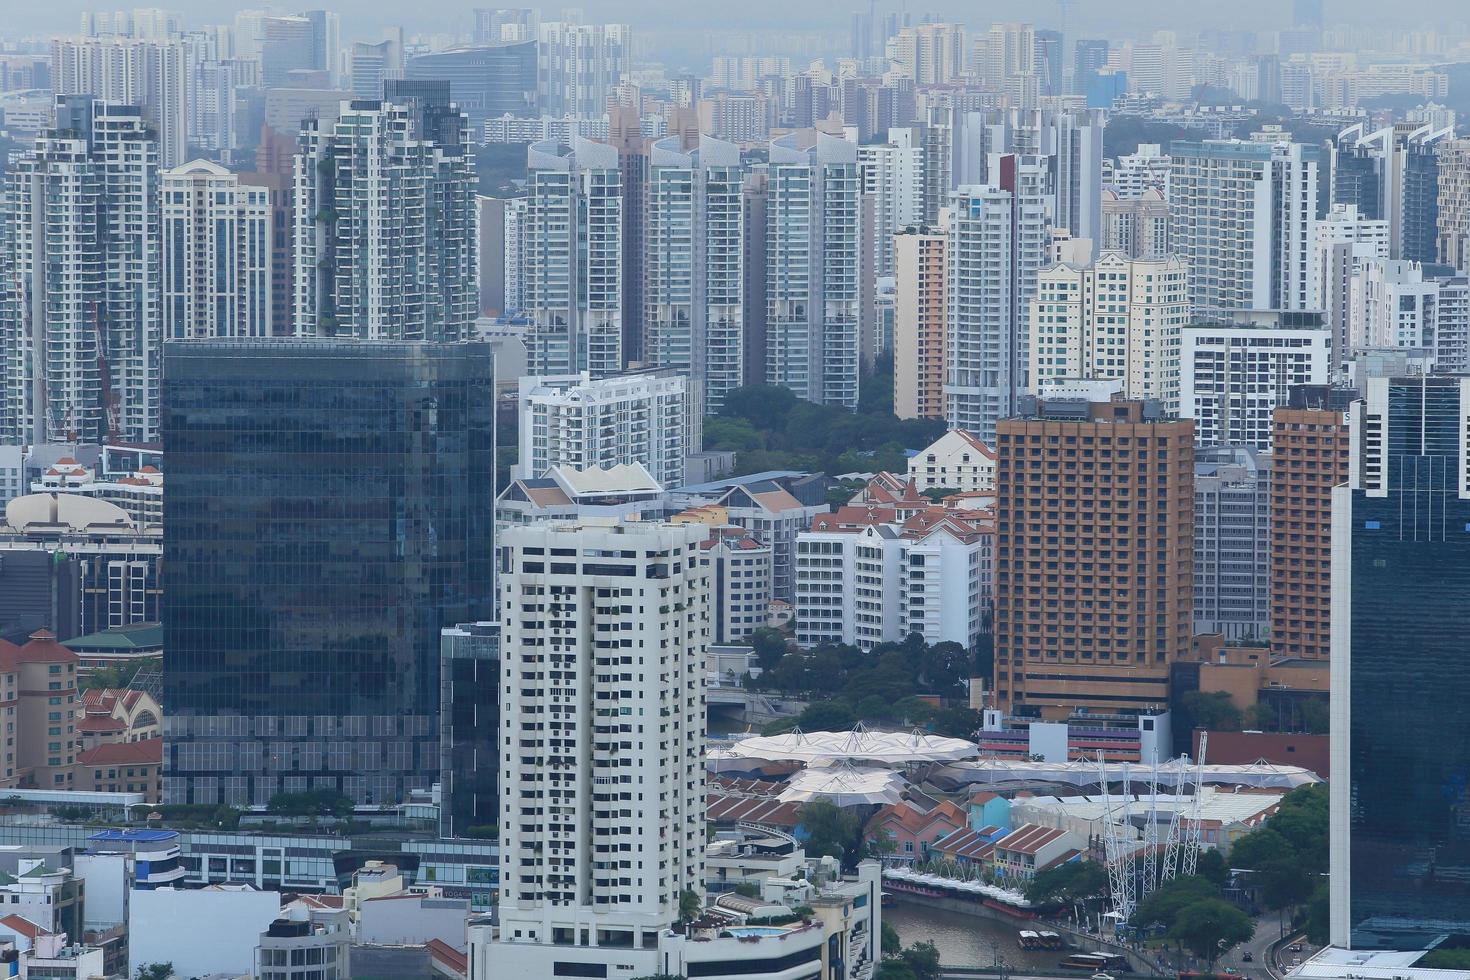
330, 510
1401, 780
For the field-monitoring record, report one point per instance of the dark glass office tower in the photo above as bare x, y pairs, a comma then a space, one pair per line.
469, 729
1401, 670
330, 510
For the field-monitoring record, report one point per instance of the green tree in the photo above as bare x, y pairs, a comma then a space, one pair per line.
1275, 868
1211, 865
155, 971
1210, 926
690, 905
1163, 905
769, 646
1071, 882
827, 716
831, 830
311, 803
1211, 710
892, 945
1319, 918
923, 960
894, 969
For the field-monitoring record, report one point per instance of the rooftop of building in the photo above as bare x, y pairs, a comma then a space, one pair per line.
133, 637
148, 751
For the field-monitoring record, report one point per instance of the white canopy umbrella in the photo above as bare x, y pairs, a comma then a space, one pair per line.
844, 785
860, 744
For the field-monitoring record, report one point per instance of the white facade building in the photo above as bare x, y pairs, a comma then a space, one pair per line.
813, 259
879, 582
148, 73
579, 66
694, 266
81, 335
1118, 318
1242, 214
740, 583
892, 175
216, 254
384, 226
1394, 304
955, 461
997, 244
1341, 242
604, 631
577, 421
1144, 169
572, 258
1233, 377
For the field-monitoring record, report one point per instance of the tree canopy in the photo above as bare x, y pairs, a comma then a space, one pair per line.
769, 428
1210, 926
1071, 882
832, 831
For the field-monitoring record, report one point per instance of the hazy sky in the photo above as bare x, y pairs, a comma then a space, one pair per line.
1090, 16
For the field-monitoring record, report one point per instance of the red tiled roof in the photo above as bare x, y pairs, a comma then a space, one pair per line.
448, 956
99, 725
749, 809
1028, 839
42, 649
148, 751
22, 926
966, 843
983, 796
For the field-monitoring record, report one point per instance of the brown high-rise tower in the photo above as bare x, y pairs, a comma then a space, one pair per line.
1094, 556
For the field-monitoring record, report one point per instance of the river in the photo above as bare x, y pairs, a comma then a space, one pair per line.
966, 940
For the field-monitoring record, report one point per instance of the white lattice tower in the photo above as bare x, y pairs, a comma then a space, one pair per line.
1120, 876
1192, 832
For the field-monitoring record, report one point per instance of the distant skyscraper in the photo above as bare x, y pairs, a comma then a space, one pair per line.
384, 223
287, 44
373, 64
1090, 57
1400, 780
216, 254
486, 80
1086, 645
1307, 13
151, 74
608, 636
1242, 214
1392, 175
813, 255
919, 323
1049, 61
693, 266
580, 65
572, 258
82, 333
326, 43
304, 604
997, 244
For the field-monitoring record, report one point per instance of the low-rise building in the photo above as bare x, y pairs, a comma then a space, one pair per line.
873, 574
112, 715
741, 582
123, 767
1029, 850
956, 461
914, 828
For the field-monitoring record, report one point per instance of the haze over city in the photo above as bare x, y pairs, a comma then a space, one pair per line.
655, 491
